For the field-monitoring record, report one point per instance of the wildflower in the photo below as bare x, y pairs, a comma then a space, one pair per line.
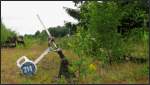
92, 67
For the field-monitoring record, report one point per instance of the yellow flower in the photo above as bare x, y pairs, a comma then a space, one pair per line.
92, 67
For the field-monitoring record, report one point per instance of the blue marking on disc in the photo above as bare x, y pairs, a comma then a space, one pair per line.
28, 68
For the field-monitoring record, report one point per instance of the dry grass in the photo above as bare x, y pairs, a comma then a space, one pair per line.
48, 68
124, 73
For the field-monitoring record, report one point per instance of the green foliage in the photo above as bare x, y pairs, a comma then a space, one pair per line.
145, 70
97, 37
31, 40
62, 80
102, 39
73, 12
71, 27
142, 4
5, 33
37, 33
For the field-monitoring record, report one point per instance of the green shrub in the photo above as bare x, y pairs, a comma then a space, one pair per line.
5, 33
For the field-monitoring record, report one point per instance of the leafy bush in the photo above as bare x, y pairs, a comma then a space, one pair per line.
5, 33
101, 40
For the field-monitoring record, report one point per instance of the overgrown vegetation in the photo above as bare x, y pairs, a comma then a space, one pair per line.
105, 34
5, 33
108, 31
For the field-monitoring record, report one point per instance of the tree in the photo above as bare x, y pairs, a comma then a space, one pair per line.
75, 13
77, 2
37, 33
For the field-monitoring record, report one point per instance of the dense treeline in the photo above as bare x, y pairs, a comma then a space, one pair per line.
59, 31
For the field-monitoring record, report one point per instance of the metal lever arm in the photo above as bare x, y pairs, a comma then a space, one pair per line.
42, 55
50, 36
44, 26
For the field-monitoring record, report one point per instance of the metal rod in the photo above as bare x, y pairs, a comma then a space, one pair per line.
46, 30
48, 49
44, 26
42, 56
